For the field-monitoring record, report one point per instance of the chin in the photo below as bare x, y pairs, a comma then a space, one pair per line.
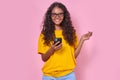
58, 23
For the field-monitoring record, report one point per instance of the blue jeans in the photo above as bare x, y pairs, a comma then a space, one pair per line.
70, 76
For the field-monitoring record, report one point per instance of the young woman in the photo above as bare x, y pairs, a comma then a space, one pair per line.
59, 57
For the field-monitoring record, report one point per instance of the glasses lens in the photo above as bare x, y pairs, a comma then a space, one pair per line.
57, 14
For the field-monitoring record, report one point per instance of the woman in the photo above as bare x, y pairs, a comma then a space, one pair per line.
59, 57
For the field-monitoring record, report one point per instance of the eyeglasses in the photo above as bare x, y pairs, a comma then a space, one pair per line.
57, 14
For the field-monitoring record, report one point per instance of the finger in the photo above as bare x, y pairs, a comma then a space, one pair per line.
58, 48
57, 43
60, 45
89, 33
52, 42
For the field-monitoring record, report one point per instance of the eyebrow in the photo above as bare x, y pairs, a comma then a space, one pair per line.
57, 13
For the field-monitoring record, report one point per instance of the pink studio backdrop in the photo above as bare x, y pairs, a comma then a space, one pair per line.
20, 22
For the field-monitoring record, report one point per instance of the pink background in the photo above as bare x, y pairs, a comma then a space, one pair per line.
20, 22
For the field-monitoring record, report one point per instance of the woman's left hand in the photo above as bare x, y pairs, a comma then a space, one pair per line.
86, 36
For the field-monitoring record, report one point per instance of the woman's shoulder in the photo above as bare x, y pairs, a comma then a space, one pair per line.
41, 35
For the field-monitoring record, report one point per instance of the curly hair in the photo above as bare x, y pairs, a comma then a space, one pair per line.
69, 33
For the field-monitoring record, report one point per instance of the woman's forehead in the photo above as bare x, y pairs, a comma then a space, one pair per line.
57, 10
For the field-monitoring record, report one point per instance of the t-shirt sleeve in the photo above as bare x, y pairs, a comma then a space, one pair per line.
76, 42
42, 48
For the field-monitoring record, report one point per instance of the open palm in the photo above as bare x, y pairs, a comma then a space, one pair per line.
86, 36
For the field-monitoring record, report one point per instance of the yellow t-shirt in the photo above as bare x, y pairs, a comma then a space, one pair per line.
62, 62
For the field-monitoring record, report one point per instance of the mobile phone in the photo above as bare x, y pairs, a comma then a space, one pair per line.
56, 40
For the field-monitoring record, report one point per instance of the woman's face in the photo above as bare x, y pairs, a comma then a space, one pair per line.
57, 15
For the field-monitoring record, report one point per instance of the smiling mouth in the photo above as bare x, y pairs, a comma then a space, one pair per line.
57, 20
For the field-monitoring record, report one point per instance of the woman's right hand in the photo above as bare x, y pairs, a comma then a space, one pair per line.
56, 47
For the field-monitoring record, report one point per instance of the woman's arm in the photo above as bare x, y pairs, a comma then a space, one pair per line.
82, 39
78, 49
47, 55
51, 51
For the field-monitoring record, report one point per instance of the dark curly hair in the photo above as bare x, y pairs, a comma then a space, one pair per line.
69, 32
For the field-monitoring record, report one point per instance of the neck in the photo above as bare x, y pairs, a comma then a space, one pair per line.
58, 27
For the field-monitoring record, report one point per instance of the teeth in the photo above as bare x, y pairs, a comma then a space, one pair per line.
57, 20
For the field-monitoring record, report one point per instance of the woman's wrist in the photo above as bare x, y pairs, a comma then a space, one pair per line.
52, 49
82, 39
